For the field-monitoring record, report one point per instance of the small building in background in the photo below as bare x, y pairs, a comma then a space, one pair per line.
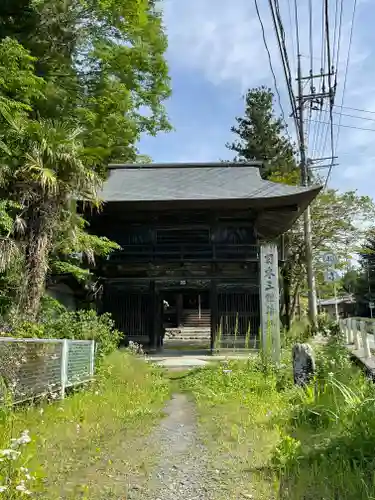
345, 306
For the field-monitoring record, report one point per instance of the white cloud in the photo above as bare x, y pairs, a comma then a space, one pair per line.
218, 38
220, 43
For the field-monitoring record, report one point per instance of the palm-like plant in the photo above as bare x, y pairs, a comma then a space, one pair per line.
45, 170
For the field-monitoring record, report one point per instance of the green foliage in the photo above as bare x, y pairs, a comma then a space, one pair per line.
300, 331
75, 249
104, 68
20, 88
362, 281
80, 82
6, 217
15, 478
77, 325
260, 136
50, 308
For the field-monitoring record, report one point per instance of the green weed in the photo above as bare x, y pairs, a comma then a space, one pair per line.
89, 427
282, 442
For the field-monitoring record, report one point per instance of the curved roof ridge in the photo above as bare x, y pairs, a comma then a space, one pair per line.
189, 165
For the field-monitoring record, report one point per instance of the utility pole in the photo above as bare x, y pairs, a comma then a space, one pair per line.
314, 98
313, 309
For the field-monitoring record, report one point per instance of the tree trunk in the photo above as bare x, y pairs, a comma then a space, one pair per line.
38, 246
295, 299
286, 294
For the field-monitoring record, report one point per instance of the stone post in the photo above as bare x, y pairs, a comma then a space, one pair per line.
350, 331
345, 330
269, 299
357, 342
365, 343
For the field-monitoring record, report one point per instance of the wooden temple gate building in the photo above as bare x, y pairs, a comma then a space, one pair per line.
199, 250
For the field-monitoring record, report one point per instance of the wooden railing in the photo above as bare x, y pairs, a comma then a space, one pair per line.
193, 251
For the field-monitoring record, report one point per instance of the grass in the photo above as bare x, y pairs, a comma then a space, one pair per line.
74, 439
235, 403
266, 438
271, 440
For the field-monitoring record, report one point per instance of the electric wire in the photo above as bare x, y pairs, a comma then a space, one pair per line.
285, 64
345, 83
300, 103
271, 67
355, 109
330, 88
340, 125
339, 40
292, 37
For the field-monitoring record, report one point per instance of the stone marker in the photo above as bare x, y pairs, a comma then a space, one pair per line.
303, 364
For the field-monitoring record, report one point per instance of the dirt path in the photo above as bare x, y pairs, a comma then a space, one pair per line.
182, 470
169, 464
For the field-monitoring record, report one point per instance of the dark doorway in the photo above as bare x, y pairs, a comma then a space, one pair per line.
187, 318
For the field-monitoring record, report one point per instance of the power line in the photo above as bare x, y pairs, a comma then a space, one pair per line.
323, 130
311, 44
347, 126
345, 82
354, 109
339, 39
330, 69
280, 37
305, 180
311, 72
354, 116
336, 24
292, 36
322, 51
271, 67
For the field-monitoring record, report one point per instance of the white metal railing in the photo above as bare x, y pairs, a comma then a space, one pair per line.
34, 367
359, 334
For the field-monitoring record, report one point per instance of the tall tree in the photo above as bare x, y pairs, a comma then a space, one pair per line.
261, 136
103, 64
337, 227
81, 80
364, 286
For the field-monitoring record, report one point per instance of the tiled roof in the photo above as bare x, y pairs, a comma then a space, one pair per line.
184, 182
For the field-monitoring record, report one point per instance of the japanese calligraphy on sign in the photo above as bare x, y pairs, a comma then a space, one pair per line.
269, 282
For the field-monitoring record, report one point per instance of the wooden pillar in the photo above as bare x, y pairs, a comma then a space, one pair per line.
214, 313
179, 308
154, 316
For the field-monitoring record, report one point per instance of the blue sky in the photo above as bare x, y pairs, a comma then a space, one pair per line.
216, 52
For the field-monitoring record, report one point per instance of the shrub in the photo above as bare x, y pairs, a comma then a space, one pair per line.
86, 325
77, 325
299, 332
50, 308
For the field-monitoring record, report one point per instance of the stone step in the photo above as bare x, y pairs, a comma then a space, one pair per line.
187, 337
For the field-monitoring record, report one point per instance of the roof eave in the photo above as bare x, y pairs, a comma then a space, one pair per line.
136, 166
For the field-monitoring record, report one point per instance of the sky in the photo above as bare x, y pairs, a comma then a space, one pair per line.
216, 52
